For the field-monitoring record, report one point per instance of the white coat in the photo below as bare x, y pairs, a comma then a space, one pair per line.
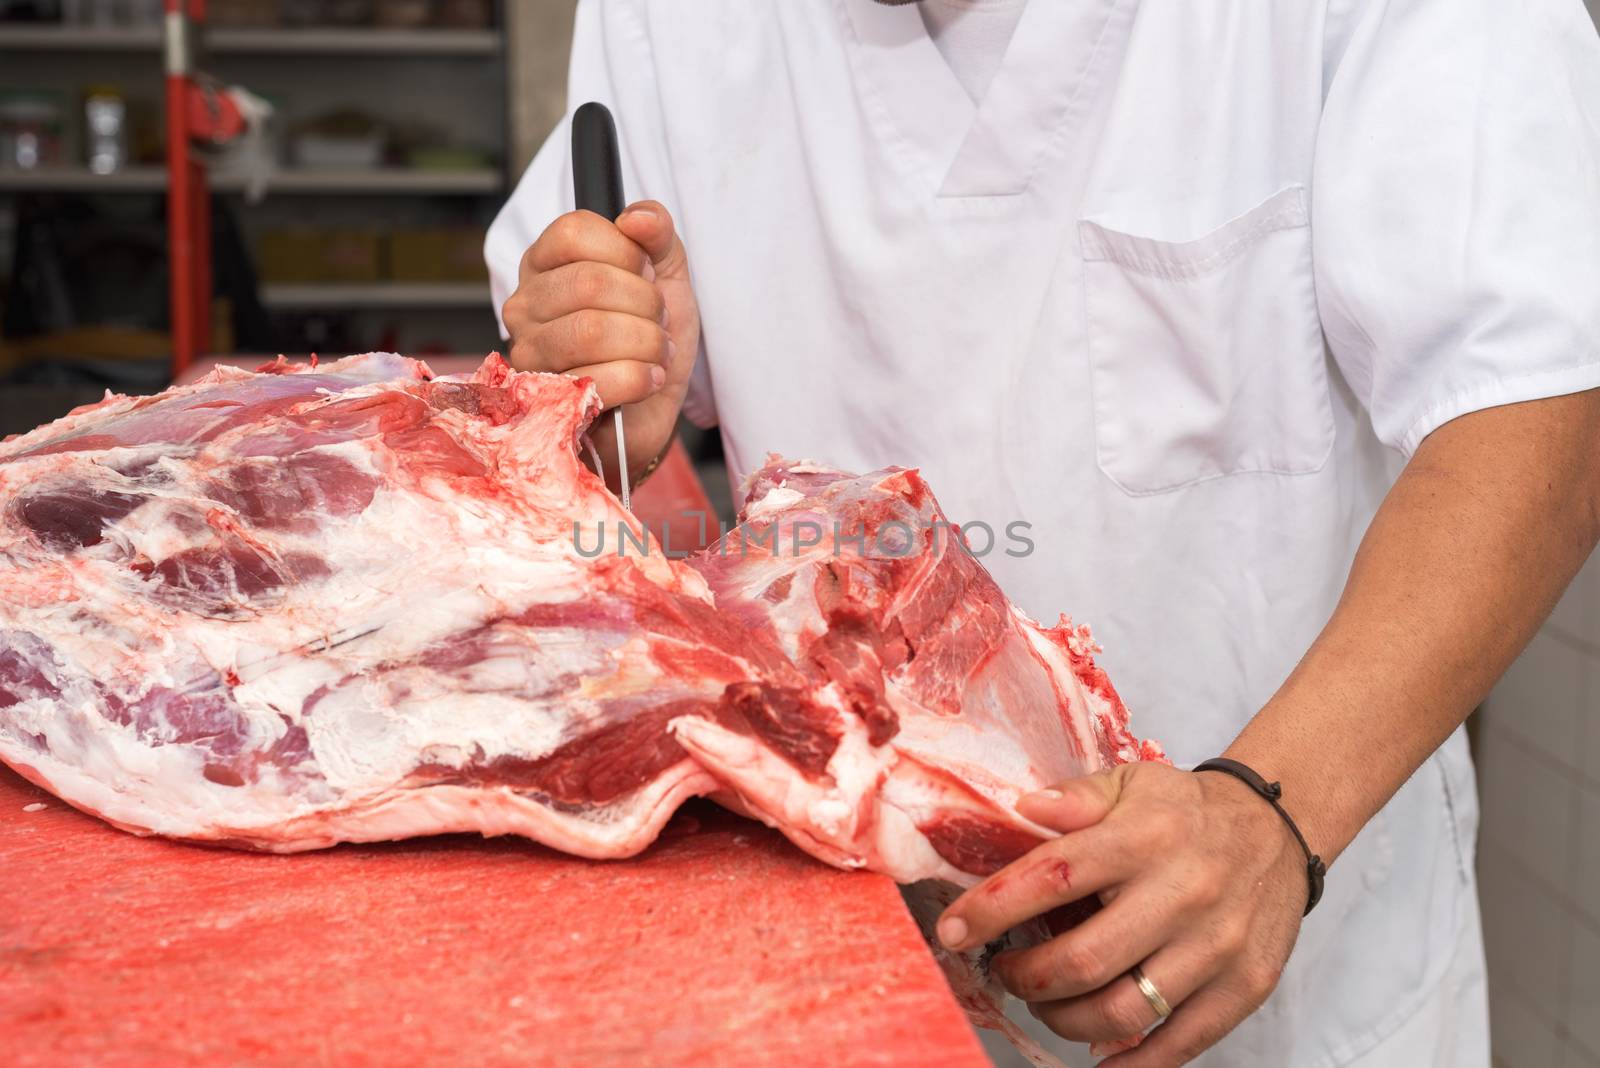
1182, 292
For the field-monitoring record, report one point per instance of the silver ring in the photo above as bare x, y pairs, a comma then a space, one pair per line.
1151, 994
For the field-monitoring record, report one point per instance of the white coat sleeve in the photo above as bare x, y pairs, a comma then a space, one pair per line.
613, 64
1456, 213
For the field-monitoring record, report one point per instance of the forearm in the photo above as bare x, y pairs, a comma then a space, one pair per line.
1470, 551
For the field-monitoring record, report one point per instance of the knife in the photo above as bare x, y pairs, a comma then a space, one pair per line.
597, 187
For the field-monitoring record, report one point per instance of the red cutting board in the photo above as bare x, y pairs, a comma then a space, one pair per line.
721, 945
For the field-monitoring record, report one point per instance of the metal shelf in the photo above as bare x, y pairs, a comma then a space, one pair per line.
356, 41
16, 37
81, 179
334, 295
319, 41
390, 180
394, 180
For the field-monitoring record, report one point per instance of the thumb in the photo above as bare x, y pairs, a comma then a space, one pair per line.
1074, 804
649, 225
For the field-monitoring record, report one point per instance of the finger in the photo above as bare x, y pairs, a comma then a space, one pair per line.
576, 286
1093, 954
623, 381
1119, 1010
580, 236
1053, 874
1076, 803
590, 337
1201, 1023
650, 226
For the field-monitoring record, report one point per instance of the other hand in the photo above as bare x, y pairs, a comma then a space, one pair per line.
1203, 888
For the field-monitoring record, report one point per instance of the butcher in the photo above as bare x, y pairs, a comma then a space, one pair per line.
1274, 323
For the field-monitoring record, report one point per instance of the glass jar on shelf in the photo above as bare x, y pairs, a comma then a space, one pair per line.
30, 131
105, 129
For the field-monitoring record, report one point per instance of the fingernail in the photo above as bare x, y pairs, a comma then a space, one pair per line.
644, 213
1045, 795
952, 931
658, 377
672, 349
663, 317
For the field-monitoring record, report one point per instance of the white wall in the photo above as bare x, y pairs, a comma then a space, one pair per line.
539, 33
1539, 851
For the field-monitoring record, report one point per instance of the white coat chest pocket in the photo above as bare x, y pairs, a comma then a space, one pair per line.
1206, 356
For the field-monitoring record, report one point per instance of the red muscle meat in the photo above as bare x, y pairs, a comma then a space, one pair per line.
940, 704
303, 606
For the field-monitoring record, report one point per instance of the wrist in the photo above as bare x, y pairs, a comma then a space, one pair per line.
640, 474
1267, 804
651, 435
1315, 795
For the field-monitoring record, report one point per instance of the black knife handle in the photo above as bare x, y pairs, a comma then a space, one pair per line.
596, 162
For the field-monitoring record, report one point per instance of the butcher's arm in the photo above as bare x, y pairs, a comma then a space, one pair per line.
1471, 549
1469, 553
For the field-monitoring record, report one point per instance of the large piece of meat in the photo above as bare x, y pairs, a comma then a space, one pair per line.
292, 608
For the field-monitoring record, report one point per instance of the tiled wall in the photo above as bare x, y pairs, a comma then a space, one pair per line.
1539, 850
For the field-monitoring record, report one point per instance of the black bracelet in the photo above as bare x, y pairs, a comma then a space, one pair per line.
1271, 792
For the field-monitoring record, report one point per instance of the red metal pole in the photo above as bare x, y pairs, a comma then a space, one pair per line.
200, 197
182, 179
200, 229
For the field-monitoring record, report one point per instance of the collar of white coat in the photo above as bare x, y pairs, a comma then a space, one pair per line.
950, 147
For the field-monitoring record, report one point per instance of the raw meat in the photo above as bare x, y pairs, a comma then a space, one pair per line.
944, 703
298, 607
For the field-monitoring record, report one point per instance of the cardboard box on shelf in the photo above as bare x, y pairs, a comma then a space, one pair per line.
303, 254
243, 12
289, 256
352, 256
437, 254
